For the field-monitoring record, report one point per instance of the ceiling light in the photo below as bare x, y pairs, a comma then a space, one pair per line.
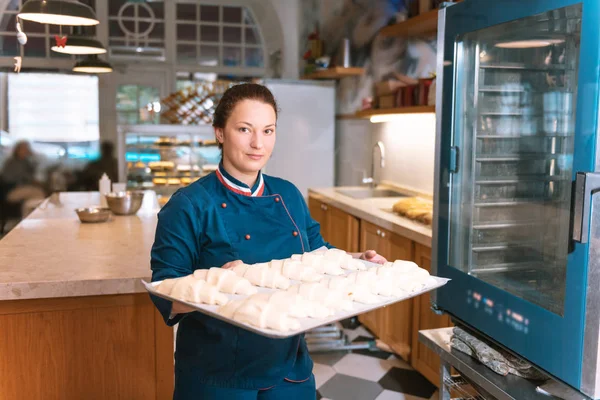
80, 45
528, 44
58, 12
92, 65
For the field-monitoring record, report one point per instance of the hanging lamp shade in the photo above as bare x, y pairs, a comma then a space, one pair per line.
92, 65
58, 12
80, 46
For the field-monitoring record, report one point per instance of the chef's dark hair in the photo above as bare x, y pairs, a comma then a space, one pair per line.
237, 93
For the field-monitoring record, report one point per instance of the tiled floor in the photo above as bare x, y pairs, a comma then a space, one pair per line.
367, 375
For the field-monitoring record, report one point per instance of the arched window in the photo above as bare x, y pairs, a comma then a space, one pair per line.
217, 36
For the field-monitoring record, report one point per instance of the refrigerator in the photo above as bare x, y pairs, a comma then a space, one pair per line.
303, 153
517, 208
305, 147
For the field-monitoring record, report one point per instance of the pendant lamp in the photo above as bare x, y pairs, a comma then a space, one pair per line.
58, 12
92, 65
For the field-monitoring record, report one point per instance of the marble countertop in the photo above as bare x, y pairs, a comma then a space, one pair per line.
378, 211
51, 254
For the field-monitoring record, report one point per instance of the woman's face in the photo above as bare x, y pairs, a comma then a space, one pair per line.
249, 136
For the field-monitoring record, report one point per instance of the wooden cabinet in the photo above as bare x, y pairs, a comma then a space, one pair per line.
373, 237
392, 324
318, 211
399, 327
337, 227
91, 347
423, 359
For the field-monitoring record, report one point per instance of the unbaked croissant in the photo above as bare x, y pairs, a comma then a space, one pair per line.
296, 305
205, 293
295, 270
318, 292
340, 284
226, 281
260, 313
166, 286
194, 290
262, 275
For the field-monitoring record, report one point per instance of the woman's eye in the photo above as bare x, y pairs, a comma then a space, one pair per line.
269, 131
244, 130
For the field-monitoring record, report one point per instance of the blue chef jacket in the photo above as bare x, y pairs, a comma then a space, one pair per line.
208, 224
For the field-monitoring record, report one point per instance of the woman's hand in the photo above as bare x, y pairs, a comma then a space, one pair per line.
372, 256
232, 264
180, 308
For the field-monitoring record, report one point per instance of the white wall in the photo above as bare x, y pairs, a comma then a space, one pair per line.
409, 151
289, 13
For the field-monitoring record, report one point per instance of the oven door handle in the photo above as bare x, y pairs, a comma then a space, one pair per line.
586, 184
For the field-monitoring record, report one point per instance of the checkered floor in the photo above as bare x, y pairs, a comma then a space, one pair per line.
367, 375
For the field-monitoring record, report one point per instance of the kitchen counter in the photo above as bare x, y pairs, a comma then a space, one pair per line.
51, 254
75, 320
378, 211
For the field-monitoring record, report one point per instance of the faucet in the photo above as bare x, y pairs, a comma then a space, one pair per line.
371, 180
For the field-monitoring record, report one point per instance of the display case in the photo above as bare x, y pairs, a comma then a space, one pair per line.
165, 158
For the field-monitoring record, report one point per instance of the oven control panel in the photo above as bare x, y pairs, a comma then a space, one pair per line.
484, 304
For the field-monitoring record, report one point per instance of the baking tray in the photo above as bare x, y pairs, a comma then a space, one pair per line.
306, 324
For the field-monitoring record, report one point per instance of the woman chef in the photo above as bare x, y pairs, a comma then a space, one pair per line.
236, 213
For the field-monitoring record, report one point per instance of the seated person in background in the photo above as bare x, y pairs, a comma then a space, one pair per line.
107, 163
19, 177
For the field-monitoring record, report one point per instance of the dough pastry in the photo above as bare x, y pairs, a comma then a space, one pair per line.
262, 314
262, 275
226, 281
296, 305
193, 290
295, 270
314, 291
204, 293
340, 284
166, 286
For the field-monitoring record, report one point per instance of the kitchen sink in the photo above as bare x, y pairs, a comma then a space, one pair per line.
369, 193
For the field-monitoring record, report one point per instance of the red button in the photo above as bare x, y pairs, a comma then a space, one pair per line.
295, 233
223, 205
277, 199
247, 237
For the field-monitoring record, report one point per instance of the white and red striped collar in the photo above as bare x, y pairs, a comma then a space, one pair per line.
238, 187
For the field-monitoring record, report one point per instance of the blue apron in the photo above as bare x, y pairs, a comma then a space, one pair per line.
213, 221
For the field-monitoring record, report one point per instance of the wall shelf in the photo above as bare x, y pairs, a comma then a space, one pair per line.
335, 73
398, 110
422, 25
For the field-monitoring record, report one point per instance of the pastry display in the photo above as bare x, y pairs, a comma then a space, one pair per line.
161, 165
415, 208
159, 181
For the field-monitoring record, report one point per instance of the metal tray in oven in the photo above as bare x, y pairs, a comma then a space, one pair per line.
505, 254
520, 146
508, 233
498, 212
506, 167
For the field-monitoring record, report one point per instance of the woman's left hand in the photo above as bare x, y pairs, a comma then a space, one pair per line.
372, 256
